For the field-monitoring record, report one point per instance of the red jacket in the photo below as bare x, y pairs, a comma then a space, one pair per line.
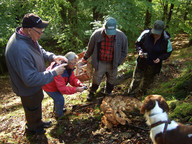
60, 82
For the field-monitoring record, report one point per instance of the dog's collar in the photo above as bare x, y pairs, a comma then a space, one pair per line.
157, 123
165, 127
160, 122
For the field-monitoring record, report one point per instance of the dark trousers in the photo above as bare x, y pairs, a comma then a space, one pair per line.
142, 80
33, 109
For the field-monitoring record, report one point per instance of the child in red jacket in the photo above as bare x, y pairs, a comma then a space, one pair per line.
58, 86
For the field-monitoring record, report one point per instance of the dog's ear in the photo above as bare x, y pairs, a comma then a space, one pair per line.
163, 104
148, 105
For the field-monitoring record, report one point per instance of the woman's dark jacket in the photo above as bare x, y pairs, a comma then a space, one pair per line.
161, 49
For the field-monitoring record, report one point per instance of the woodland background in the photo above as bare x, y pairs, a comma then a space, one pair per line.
71, 24
73, 21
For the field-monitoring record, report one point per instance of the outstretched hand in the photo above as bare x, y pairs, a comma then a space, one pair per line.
157, 60
141, 54
80, 89
58, 59
84, 61
60, 69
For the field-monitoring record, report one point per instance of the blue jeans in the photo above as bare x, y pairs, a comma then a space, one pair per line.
59, 102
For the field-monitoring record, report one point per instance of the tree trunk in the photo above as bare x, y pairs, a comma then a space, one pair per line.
148, 16
165, 7
63, 13
73, 13
169, 15
96, 15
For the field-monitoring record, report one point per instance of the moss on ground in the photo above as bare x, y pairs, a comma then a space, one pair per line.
183, 112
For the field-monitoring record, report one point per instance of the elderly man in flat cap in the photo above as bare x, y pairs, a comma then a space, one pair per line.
25, 60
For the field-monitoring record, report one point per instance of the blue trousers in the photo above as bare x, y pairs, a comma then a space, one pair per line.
59, 102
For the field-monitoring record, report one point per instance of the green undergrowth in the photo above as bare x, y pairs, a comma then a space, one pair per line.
178, 89
182, 112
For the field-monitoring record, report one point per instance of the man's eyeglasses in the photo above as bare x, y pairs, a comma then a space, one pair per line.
38, 31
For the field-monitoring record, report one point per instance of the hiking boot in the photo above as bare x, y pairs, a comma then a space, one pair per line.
38, 131
108, 90
90, 96
108, 93
47, 124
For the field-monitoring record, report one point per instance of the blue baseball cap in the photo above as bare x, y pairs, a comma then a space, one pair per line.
110, 26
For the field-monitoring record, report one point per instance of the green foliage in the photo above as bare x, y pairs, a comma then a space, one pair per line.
72, 22
60, 130
182, 112
178, 21
177, 88
126, 67
185, 56
12, 12
69, 35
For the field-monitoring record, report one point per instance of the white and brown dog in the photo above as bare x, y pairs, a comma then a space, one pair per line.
162, 130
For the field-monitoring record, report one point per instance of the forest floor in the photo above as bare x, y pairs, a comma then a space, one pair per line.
82, 125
